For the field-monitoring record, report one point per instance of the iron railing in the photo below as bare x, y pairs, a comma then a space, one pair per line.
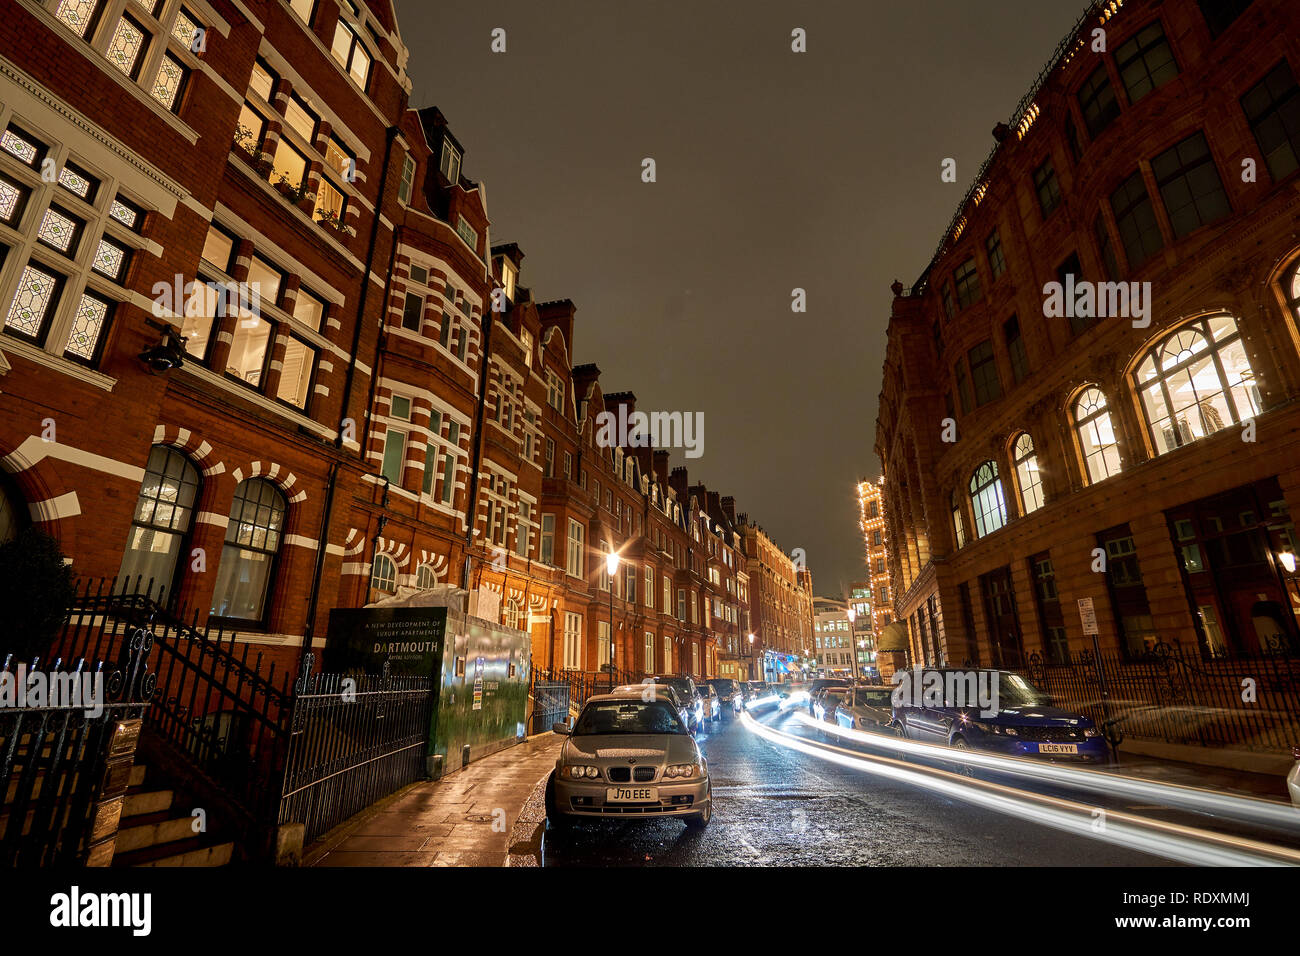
550, 704
216, 710
54, 748
1172, 694
354, 739
586, 684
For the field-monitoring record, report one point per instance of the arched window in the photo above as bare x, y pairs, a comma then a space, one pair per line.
958, 525
513, 614
1096, 436
163, 512
383, 574
1195, 382
252, 543
986, 499
425, 577
1031, 483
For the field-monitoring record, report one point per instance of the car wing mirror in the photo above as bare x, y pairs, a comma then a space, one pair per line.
560, 727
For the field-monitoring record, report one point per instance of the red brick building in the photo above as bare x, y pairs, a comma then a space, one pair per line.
1145, 458
260, 352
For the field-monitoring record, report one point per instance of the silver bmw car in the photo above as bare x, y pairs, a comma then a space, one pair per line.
629, 755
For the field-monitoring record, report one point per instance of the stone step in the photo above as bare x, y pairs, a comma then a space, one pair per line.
218, 855
169, 830
146, 801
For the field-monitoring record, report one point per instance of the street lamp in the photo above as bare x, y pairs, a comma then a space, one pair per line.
853, 614
751, 655
611, 569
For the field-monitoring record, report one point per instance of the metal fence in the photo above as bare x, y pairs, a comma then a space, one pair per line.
585, 684
550, 704
1172, 694
54, 748
354, 739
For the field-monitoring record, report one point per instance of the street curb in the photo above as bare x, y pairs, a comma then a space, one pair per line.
528, 829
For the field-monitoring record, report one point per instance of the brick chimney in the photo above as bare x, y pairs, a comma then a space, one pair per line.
679, 481
661, 467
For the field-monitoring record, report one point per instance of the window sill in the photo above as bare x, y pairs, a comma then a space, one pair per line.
49, 360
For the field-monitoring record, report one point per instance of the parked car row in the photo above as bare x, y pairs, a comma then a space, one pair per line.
1018, 720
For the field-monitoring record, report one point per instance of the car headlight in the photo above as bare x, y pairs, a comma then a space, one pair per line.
680, 770
996, 729
582, 771
1091, 732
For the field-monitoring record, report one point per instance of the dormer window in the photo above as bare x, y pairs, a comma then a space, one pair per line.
450, 163
508, 277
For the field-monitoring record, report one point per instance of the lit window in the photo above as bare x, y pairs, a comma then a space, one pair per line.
309, 310
59, 230
77, 14
111, 259
88, 324
1097, 441
13, 200
339, 159
986, 499
127, 45
266, 279
262, 81
26, 148
295, 372
218, 247
1031, 482
350, 53
449, 164
289, 166
78, 182
253, 537
167, 86
1196, 382
299, 118
186, 29
163, 511
329, 202
958, 527
33, 302
248, 349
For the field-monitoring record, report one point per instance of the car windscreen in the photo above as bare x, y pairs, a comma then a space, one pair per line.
1015, 691
873, 698
627, 717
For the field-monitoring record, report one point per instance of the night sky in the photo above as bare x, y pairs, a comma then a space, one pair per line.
775, 170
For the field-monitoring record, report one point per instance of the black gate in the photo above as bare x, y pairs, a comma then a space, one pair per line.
550, 704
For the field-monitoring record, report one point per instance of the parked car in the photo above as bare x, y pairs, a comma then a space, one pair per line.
628, 756
712, 703
663, 691
1024, 724
867, 707
687, 691
825, 701
730, 694
821, 683
754, 689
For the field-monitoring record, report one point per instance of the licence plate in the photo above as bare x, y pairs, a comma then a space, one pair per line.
632, 795
1058, 748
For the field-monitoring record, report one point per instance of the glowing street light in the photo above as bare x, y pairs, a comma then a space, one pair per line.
611, 568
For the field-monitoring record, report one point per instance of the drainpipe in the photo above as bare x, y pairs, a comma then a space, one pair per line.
476, 460
321, 542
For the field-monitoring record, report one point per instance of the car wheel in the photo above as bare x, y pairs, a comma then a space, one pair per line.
554, 819
965, 769
698, 821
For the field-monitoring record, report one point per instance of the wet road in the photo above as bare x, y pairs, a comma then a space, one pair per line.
774, 806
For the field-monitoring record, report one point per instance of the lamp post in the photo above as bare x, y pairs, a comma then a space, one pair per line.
853, 644
751, 655
611, 568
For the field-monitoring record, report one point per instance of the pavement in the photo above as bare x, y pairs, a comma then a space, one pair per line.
465, 819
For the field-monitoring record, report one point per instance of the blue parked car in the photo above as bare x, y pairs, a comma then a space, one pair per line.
1023, 724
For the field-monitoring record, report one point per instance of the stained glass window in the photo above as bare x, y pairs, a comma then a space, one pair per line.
185, 29
13, 197
32, 302
110, 259
77, 14
128, 43
87, 326
78, 182
124, 213
148, 6
59, 230
168, 84
21, 145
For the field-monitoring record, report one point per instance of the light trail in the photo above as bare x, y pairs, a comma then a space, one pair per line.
1240, 808
1159, 838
